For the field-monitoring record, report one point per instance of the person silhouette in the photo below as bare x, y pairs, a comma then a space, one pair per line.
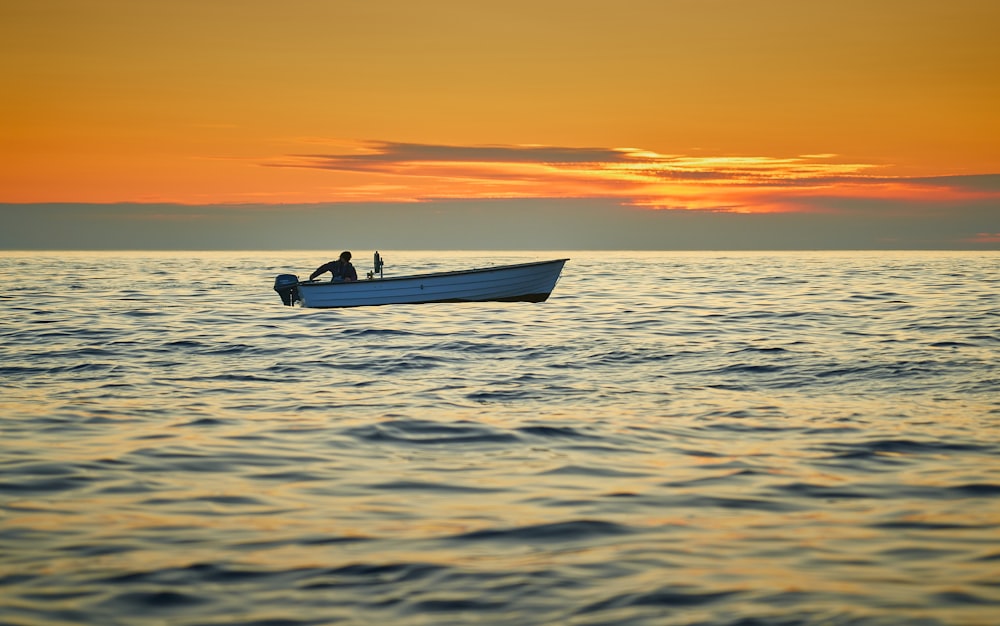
341, 269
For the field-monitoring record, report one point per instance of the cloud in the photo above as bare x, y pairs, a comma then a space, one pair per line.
412, 172
984, 238
986, 183
384, 151
560, 163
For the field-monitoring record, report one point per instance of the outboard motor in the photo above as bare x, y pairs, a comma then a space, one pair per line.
287, 286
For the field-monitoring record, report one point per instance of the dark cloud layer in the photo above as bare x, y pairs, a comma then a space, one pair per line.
388, 151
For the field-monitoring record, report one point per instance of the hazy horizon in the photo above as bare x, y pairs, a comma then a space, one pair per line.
537, 224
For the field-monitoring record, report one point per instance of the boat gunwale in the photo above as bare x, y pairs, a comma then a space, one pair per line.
475, 270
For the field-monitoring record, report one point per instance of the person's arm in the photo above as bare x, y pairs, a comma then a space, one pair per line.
319, 270
352, 274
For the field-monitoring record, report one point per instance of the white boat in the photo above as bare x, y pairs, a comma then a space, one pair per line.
521, 282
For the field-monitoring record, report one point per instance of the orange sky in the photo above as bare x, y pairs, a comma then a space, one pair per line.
733, 105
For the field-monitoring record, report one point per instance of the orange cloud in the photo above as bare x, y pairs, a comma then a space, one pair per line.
407, 172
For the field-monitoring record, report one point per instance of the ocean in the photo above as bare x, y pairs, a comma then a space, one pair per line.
741, 438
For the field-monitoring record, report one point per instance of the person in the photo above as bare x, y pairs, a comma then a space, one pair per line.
341, 269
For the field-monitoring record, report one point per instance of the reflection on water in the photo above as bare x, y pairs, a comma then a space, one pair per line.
673, 438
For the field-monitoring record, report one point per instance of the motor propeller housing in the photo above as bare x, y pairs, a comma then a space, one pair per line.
287, 286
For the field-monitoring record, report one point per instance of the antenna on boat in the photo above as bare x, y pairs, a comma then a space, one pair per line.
378, 264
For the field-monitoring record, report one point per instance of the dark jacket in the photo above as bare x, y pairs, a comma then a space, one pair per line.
341, 270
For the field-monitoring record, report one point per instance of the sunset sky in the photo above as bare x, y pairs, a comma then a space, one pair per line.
122, 119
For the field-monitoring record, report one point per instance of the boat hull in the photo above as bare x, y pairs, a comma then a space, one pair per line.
523, 282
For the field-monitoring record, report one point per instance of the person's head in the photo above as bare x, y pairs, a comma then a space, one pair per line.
345, 256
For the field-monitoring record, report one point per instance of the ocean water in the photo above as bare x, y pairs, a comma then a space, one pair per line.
673, 438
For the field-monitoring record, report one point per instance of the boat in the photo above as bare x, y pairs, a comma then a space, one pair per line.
520, 282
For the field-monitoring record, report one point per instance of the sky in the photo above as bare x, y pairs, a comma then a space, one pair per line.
542, 124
